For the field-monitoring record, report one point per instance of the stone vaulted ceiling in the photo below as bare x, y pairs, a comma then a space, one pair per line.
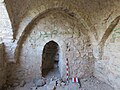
92, 11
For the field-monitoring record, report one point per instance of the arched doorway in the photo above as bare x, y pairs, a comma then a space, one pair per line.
50, 59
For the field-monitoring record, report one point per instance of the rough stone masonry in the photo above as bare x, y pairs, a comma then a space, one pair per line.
87, 33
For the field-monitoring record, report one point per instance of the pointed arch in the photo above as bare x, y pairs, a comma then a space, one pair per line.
50, 57
31, 25
6, 27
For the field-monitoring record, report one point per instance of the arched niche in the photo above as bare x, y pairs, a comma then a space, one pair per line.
50, 59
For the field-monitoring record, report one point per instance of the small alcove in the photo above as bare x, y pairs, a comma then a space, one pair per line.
50, 59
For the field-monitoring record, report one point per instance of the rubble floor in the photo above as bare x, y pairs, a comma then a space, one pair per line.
89, 83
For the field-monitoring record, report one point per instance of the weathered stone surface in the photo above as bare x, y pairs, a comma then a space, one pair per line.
22, 84
51, 87
33, 88
2, 66
49, 29
77, 26
40, 82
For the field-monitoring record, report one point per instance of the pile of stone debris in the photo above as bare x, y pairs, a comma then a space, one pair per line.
54, 84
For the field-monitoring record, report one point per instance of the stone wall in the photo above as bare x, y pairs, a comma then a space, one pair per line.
6, 33
49, 54
2, 66
5, 24
74, 46
5, 36
78, 27
107, 68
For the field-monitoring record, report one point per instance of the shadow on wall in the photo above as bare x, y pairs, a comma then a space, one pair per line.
2, 65
50, 57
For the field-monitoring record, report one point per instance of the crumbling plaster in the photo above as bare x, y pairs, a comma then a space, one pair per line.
68, 35
96, 19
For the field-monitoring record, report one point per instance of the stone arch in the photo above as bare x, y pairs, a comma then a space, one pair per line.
6, 27
23, 11
61, 63
106, 35
34, 21
72, 44
6, 30
50, 57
